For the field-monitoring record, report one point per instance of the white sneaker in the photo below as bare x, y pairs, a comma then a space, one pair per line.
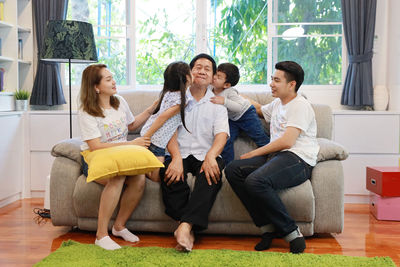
125, 234
107, 243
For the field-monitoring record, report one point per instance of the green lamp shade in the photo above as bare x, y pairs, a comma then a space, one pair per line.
69, 41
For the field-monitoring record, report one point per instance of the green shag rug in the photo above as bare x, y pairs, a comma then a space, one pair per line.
72, 253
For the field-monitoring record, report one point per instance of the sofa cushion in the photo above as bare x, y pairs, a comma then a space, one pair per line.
330, 150
86, 201
119, 160
69, 148
299, 201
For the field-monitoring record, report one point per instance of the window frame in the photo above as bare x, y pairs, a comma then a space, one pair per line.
201, 47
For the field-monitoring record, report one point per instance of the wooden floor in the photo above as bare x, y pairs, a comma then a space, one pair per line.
25, 238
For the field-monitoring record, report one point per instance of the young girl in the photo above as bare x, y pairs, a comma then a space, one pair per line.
162, 125
104, 120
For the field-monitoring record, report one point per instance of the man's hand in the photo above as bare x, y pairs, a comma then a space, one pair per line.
247, 155
211, 169
218, 100
174, 172
141, 141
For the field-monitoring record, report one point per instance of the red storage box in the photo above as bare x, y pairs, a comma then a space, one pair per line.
385, 208
384, 181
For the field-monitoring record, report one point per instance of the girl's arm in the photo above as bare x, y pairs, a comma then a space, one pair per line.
95, 143
142, 117
161, 119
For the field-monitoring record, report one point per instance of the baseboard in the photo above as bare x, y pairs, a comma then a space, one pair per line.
356, 199
9, 200
37, 194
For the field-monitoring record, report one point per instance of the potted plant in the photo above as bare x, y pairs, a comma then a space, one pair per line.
21, 100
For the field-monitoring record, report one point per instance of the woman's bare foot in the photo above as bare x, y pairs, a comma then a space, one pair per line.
184, 237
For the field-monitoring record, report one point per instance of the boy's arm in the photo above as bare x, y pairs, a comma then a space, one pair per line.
256, 105
169, 113
232, 101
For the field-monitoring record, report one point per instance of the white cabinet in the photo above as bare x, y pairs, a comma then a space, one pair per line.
11, 157
46, 129
17, 45
372, 139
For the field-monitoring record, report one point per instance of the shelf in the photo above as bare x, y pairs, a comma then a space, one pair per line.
6, 59
5, 24
18, 71
23, 29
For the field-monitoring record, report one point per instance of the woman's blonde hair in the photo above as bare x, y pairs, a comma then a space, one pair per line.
91, 77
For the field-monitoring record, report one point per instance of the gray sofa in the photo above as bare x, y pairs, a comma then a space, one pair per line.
316, 205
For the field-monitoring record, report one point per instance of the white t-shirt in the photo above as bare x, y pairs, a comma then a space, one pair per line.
113, 128
297, 113
204, 120
162, 136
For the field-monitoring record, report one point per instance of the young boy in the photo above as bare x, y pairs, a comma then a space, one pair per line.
242, 115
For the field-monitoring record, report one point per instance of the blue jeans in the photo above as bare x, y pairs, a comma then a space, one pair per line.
257, 181
156, 150
249, 123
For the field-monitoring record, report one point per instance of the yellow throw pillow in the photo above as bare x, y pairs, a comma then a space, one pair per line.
119, 160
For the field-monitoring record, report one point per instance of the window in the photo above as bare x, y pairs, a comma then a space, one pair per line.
138, 39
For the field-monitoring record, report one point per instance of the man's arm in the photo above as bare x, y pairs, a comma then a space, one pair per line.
286, 141
210, 165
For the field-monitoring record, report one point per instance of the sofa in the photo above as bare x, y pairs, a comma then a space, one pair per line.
316, 205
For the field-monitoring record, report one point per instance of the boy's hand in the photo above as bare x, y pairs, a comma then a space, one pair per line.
218, 100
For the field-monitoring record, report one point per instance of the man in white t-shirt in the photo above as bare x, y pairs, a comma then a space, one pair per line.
285, 162
196, 151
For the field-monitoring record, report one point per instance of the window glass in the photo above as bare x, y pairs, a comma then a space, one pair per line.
307, 11
108, 20
165, 32
315, 42
320, 57
237, 33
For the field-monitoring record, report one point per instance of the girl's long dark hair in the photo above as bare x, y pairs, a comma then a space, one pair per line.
175, 79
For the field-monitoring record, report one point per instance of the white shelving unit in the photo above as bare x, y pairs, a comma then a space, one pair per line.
18, 75
16, 26
372, 139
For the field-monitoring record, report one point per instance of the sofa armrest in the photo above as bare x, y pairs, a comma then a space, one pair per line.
66, 169
327, 181
69, 148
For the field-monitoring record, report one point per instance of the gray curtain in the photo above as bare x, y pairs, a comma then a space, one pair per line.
47, 89
359, 29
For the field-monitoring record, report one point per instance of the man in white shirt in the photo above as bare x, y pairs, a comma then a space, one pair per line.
285, 162
196, 151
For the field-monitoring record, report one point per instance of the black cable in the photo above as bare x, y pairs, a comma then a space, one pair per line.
44, 213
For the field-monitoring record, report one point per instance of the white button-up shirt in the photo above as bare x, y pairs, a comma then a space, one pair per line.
204, 120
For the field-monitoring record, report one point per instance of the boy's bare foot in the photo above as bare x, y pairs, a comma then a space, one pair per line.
184, 237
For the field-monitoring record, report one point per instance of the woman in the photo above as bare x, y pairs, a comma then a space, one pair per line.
105, 119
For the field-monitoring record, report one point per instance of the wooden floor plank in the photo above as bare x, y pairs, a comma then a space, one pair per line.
25, 239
